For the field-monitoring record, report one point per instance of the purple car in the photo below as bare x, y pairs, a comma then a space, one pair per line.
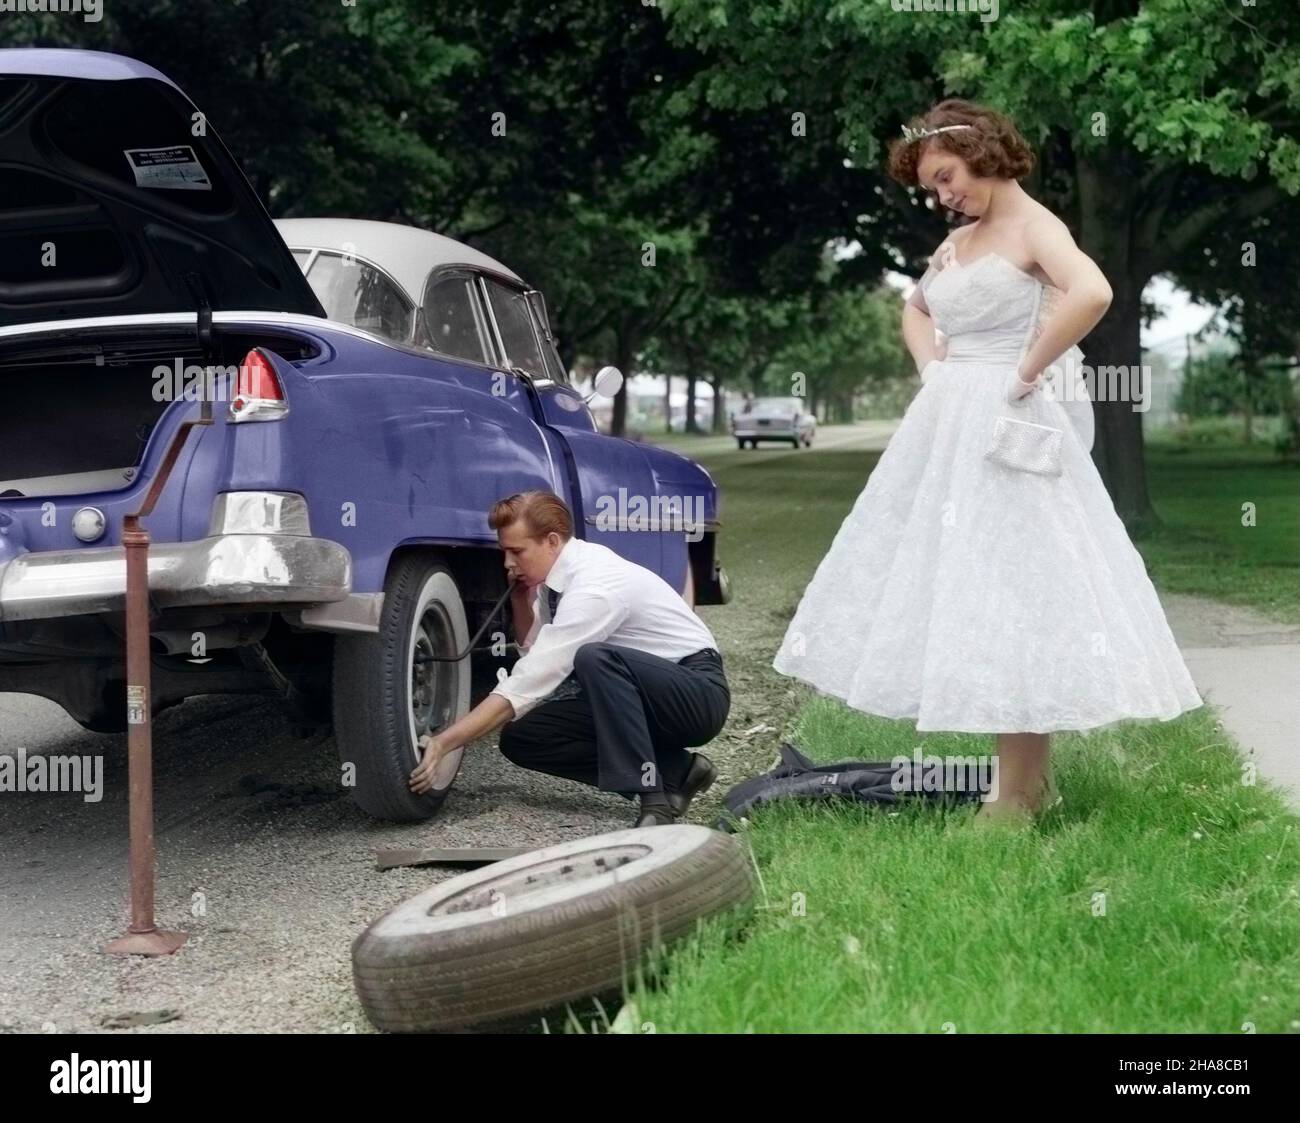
327, 534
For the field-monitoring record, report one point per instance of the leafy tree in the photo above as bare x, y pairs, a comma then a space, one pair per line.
724, 340
1216, 385
840, 346
1238, 273
1157, 121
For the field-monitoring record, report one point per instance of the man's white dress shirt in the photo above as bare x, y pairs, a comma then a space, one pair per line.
604, 597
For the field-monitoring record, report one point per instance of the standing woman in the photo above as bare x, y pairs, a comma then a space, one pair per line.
982, 581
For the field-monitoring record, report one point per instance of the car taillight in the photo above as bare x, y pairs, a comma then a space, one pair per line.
258, 393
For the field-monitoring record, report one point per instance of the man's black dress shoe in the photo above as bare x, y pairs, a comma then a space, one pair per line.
670, 805
656, 816
699, 778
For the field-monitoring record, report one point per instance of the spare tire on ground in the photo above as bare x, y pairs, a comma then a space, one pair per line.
535, 931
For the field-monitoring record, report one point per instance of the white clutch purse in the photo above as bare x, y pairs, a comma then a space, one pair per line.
1025, 446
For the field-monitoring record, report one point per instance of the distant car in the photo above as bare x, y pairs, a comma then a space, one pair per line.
773, 419
325, 539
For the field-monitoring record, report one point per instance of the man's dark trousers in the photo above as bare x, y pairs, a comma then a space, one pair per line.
628, 727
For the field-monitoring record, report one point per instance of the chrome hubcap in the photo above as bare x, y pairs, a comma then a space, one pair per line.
434, 685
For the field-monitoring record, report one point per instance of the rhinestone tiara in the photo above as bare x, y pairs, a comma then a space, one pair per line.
910, 134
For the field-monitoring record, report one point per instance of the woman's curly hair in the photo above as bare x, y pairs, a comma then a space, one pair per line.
994, 147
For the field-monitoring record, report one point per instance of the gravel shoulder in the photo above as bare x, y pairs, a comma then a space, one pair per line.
264, 860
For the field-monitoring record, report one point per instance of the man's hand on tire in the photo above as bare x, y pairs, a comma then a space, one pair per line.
422, 775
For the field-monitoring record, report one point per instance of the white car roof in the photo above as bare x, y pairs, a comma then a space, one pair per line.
405, 253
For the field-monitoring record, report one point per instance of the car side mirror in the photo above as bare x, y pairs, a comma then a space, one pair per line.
607, 383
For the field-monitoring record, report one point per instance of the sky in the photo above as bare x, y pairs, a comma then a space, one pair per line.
1181, 317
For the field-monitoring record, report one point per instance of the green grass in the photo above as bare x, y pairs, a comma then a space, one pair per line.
1204, 546
1161, 896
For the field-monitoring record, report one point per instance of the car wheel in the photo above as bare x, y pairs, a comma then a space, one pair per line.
544, 928
386, 696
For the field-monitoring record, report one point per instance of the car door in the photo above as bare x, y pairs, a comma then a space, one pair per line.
611, 478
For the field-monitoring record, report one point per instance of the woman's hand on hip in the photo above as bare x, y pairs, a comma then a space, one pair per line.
1018, 388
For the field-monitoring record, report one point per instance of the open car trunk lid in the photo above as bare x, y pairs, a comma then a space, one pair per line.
111, 205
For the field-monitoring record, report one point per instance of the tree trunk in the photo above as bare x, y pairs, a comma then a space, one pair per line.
623, 357
1113, 349
719, 406
1248, 374
1290, 404
691, 426
668, 403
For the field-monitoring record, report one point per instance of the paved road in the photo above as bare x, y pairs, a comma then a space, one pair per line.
870, 436
1249, 668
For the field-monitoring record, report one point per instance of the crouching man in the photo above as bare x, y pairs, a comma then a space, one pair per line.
617, 678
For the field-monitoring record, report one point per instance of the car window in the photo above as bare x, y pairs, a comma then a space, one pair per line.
542, 321
554, 367
779, 405
355, 293
516, 327
450, 321
302, 257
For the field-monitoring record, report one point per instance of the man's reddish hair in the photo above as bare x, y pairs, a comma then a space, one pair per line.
541, 511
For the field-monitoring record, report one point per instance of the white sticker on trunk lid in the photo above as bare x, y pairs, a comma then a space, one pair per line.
176, 168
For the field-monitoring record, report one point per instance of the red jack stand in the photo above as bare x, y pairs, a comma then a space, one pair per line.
144, 936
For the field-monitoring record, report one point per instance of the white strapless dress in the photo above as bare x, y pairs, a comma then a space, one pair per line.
974, 597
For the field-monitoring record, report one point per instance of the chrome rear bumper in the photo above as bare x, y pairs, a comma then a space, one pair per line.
222, 569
